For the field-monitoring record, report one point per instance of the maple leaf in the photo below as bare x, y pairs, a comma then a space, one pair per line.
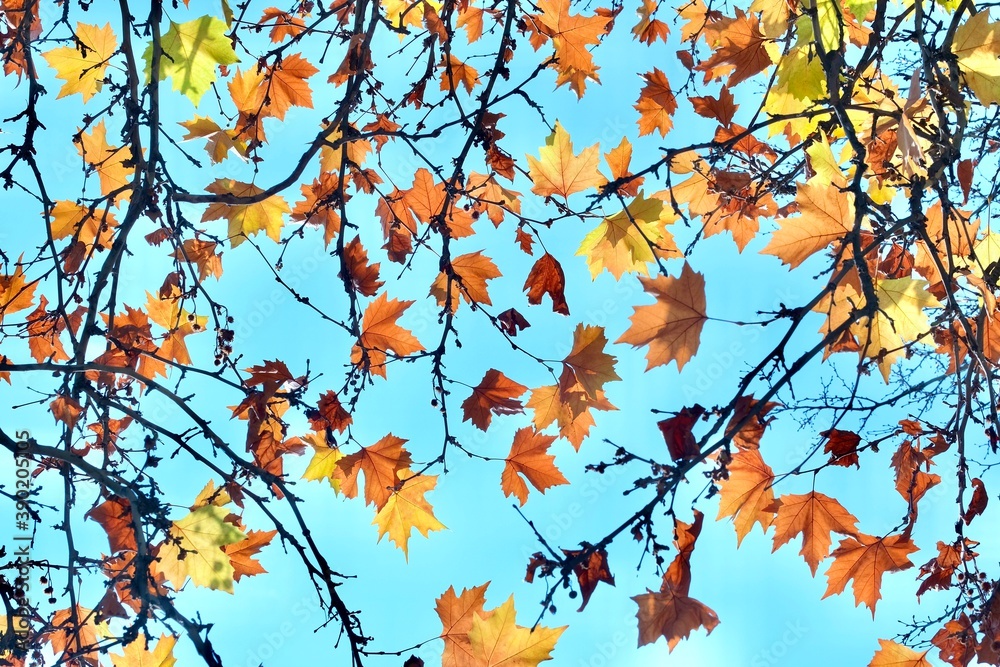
179, 324
827, 216
495, 394
219, 142
82, 65
193, 549
497, 639
381, 464
746, 495
456, 613
76, 632
891, 654
547, 277
814, 516
842, 447
89, 228
558, 171
407, 509
740, 49
529, 457
590, 571
571, 35
323, 464
977, 45
587, 365
656, 104
191, 52
381, 334
472, 271
364, 276
671, 327
865, 559
956, 641
672, 615
15, 293
455, 73
677, 434
285, 85
107, 161
721, 108
241, 553
203, 254
115, 517
628, 240
246, 220
649, 29
137, 654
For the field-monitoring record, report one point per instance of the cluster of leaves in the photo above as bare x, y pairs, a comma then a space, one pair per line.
868, 159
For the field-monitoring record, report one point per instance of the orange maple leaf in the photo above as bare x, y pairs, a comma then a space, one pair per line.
891, 654
814, 516
241, 553
740, 49
495, 394
672, 615
671, 327
746, 495
380, 462
558, 171
456, 613
827, 215
547, 277
571, 35
472, 271
381, 334
656, 104
364, 276
529, 457
588, 366
865, 559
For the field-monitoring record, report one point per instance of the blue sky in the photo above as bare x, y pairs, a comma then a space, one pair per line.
769, 606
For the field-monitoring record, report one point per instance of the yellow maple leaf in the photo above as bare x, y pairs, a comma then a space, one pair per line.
559, 171
82, 66
323, 464
111, 163
407, 509
137, 654
497, 639
200, 536
191, 53
625, 242
247, 219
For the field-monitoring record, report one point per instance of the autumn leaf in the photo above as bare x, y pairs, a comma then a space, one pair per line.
115, 517
671, 327
191, 53
827, 216
891, 654
364, 276
656, 104
571, 36
529, 458
746, 495
456, 613
547, 277
721, 108
649, 29
83, 65
381, 334
76, 631
471, 272
814, 516
287, 86
219, 142
558, 171
497, 639
193, 549
137, 654
247, 220
672, 615
677, 433
740, 52
203, 255
629, 240
16, 293
323, 464
495, 394
842, 447
455, 73
241, 553
381, 464
590, 571
864, 559
588, 366
407, 509
109, 162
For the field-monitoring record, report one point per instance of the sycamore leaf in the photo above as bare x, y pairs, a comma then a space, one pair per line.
323, 464
456, 613
977, 45
590, 572
137, 654
247, 219
529, 457
741, 50
381, 464
827, 215
814, 516
407, 509
455, 73
547, 277
381, 334
241, 553
587, 365
865, 559
191, 52
107, 161
571, 36
219, 142
497, 640
193, 550
746, 495
671, 327
364, 276
472, 270
495, 394
891, 654
82, 65
628, 240
15, 293
656, 104
558, 171
672, 615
